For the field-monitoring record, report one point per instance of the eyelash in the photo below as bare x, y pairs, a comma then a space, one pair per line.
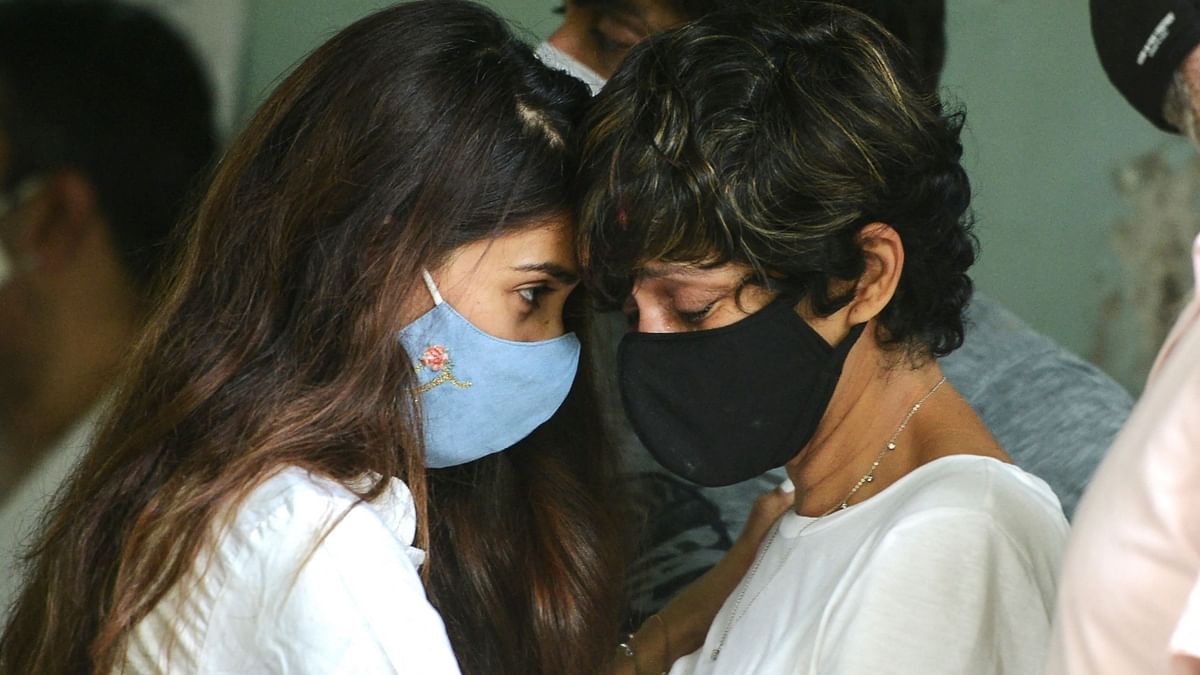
698, 315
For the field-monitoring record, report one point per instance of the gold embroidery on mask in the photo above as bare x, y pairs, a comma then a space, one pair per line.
437, 358
442, 378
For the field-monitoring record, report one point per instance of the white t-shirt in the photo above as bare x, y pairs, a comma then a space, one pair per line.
559, 60
951, 569
275, 597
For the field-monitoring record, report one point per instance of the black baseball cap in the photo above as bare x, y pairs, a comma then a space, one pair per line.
1141, 44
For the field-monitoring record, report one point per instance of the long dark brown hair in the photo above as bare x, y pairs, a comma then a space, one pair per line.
416, 130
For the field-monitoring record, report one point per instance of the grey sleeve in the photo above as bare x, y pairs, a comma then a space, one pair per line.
1053, 412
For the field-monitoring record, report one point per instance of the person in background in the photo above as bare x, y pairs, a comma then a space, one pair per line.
106, 126
1054, 413
595, 35
1129, 601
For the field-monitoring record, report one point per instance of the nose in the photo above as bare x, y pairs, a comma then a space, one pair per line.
653, 322
647, 316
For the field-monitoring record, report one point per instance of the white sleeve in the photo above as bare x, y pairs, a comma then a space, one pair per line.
946, 591
356, 605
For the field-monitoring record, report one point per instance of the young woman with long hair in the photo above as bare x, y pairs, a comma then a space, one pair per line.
303, 472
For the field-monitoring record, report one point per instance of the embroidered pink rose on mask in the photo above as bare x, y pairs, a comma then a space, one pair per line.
435, 357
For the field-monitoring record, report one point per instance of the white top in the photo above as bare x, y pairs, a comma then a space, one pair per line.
559, 60
1130, 598
276, 597
22, 506
951, 569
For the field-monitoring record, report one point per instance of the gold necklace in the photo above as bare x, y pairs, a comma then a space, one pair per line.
868, 477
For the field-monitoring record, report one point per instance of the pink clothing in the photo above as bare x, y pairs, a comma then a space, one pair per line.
1129, 593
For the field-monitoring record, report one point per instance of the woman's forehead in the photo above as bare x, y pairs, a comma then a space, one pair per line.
693, 273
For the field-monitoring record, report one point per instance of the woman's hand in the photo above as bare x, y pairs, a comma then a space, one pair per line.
766, 510
690, 613
681, 626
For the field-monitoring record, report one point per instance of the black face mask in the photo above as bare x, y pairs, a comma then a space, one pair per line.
721, 406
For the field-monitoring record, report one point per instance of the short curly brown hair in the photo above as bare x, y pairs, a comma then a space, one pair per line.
771, 138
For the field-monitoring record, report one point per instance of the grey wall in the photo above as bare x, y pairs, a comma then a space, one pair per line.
1046, 135
281, 32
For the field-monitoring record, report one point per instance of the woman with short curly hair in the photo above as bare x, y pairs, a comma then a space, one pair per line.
782, 211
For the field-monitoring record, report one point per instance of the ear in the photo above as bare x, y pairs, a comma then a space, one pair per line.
883, 253
62, 215
1190, 70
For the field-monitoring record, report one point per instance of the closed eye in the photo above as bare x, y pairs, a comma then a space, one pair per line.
695, 317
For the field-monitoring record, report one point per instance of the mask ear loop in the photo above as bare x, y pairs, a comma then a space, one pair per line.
433, 289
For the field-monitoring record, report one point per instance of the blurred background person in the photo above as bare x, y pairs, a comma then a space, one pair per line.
105, 128
1053, 412
1129, 600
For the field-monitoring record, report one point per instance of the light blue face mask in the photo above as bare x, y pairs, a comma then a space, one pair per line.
479, 393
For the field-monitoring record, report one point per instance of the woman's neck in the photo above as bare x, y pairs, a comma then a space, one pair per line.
866, 411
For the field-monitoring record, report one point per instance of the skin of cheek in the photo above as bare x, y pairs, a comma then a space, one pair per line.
833, 328
479, 281
470, 282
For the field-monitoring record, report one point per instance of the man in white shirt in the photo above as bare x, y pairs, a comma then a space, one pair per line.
105, 127
1129, 597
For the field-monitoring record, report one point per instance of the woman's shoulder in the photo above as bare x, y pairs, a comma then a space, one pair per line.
956, 573
296, 510
968, 521
298, 502
302, 572
965, 491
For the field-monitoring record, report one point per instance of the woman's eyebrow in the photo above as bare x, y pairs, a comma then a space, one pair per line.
659, 271
555, 270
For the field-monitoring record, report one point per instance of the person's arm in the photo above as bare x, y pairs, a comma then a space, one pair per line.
680, 627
